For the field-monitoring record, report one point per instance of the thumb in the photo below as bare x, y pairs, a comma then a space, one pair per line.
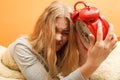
92, 40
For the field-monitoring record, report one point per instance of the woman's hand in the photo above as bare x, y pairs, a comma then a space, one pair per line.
99, 50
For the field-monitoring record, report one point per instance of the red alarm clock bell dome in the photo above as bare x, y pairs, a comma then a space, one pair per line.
86, 22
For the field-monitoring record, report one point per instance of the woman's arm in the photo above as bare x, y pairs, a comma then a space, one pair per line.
28, 63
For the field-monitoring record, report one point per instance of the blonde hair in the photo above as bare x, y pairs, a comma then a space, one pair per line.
43, 39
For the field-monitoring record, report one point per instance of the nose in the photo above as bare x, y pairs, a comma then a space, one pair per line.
58, 37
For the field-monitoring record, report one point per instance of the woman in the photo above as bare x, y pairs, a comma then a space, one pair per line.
53, 51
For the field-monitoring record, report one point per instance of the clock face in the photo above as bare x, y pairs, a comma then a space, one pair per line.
83, 32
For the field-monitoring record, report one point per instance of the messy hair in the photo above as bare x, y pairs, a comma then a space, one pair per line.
43, 39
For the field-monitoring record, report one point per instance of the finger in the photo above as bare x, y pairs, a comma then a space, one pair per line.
92, 40
109, 37
113, 41
113, 47
110, 32
99, 32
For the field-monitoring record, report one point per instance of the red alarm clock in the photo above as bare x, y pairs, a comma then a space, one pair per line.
86, 22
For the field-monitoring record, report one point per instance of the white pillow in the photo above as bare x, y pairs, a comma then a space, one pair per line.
110, 68
2, 49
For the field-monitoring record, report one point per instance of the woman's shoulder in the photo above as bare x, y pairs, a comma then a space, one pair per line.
22, 40
20, 43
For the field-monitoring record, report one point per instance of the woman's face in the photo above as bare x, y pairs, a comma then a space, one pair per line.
62, 32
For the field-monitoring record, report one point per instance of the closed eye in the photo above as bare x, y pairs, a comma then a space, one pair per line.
65, 32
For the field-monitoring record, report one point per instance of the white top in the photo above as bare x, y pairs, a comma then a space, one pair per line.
23, 54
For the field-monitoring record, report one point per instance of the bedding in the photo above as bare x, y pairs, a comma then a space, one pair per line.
109, 69
5, 72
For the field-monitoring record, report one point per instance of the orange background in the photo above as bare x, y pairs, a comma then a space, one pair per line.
18, 17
